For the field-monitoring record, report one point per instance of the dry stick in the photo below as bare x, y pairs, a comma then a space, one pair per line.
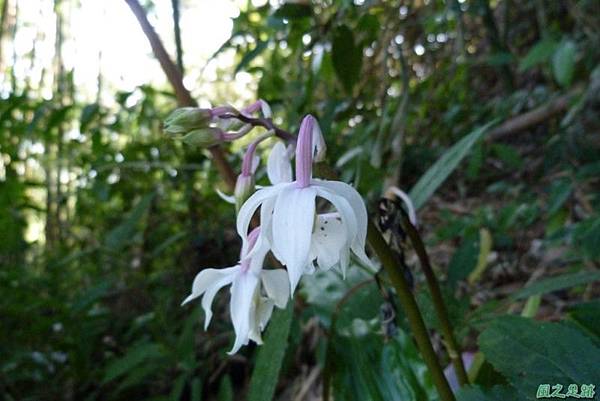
452, 346
531, 118
411, 309
184, 97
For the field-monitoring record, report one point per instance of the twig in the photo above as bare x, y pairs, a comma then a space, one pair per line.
531, 118
184, 97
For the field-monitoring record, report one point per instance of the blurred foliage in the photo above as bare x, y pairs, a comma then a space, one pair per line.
104, 222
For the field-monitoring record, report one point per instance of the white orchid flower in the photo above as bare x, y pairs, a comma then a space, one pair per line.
254, 291
288, 218
279, 168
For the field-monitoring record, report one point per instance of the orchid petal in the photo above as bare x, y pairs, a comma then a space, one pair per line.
209, 282
249, 207
328, 239
356, 202
265, 109
348, 219
318, 143
225, 197
207, 278
276, 285
293, 218
243, 289
279, 168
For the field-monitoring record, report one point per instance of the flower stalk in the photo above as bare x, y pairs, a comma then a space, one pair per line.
411, 309
450, 342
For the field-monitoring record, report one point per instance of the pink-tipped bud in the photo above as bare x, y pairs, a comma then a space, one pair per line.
261, 105
244, 187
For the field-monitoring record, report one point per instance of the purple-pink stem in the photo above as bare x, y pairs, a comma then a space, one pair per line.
251, 108
219, 111
304, 152
232, 136
252, 238
249, 155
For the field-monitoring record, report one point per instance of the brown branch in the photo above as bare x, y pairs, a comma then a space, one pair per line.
531, 118
184, 97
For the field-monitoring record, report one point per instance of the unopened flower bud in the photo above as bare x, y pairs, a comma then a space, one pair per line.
244, 187
204, 137
186, 119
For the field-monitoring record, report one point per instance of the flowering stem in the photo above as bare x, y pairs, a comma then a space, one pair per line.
250, 151
262, 122
411, 309
452, 346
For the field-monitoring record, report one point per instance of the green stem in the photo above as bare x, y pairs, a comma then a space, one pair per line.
386, 257
438, 302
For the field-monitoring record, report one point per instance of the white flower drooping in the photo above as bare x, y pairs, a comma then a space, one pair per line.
288, 213
254, 291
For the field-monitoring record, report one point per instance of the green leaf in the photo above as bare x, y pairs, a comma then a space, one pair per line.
531, 353
347, 56
556, 283
293, 11
135, 356
364, 368
251, 55
270, 356
119, 236
559, 193
444, 166
587, 316
563, 63
463, 260
87, 115
496, 393
225, 390
538, 54
589, 237
196, 389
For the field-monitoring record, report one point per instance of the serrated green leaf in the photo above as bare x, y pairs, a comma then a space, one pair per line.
531, 353
444, 166
270, 356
